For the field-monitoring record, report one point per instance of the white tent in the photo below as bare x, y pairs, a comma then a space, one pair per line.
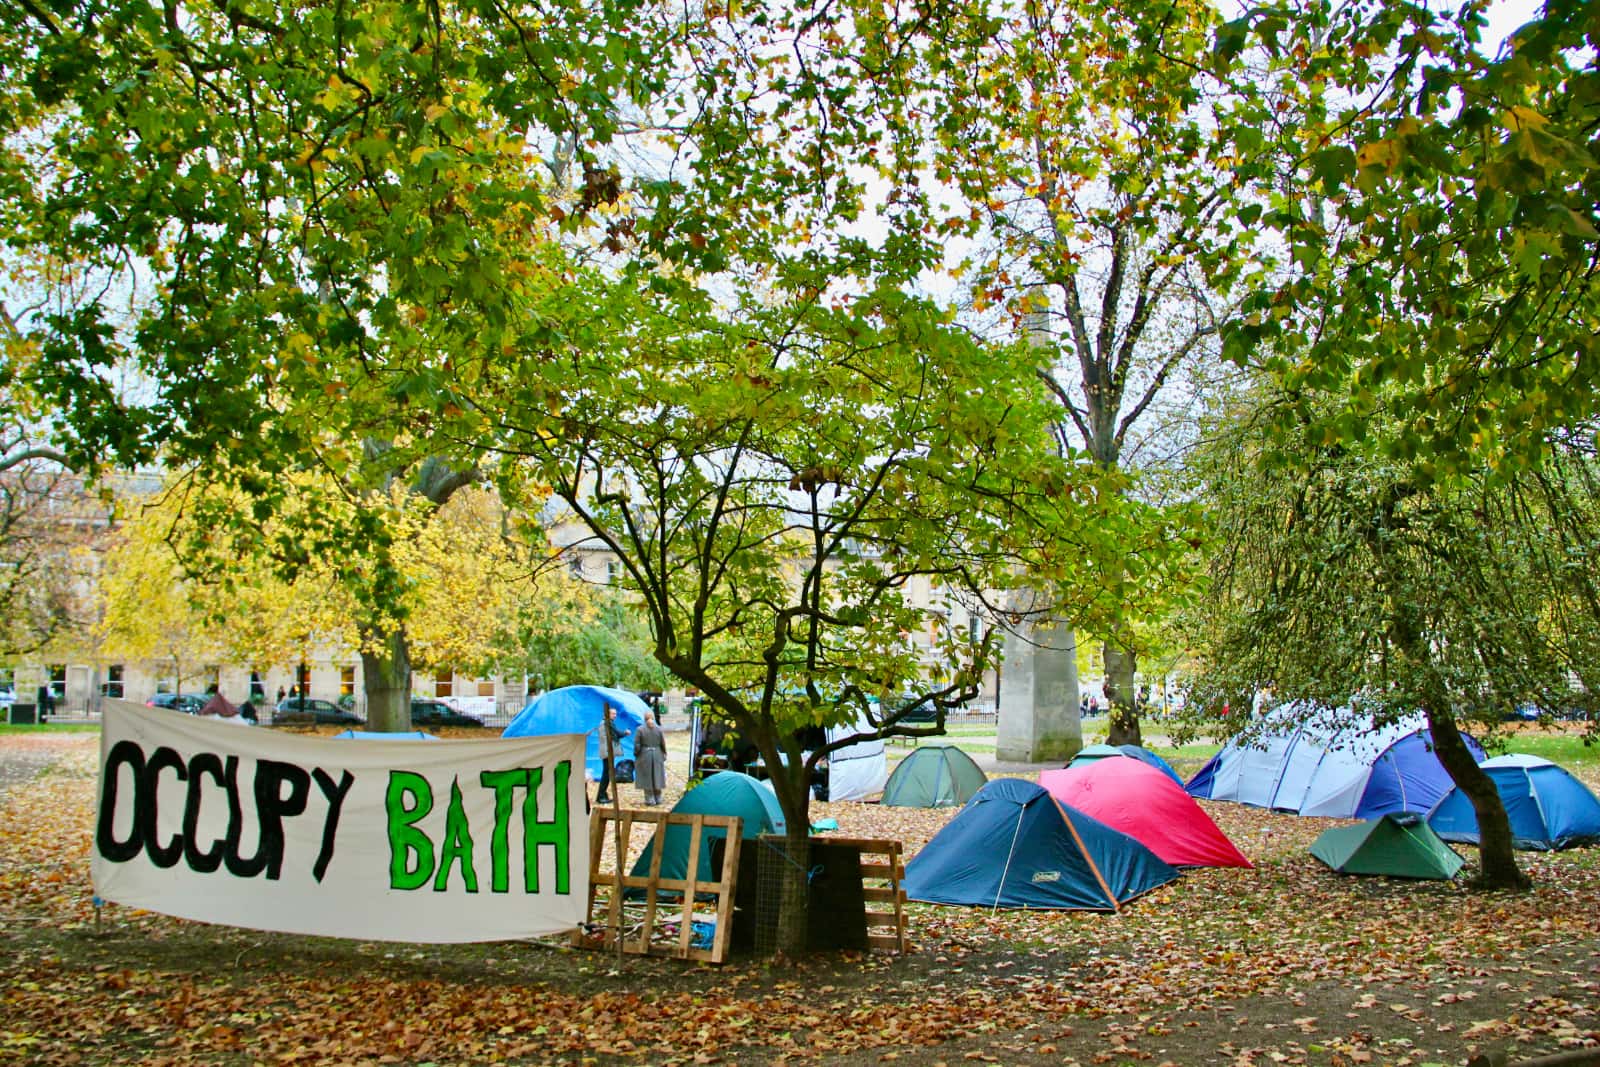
1320, 762
856, 771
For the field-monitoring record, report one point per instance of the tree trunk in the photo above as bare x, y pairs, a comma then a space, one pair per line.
386, 677
1121, 695
1495, 853
794, 902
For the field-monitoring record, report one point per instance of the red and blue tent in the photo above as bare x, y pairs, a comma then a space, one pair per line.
1016, 846
1145, 804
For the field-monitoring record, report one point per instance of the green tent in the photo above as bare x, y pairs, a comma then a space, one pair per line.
933, 776
1398, 845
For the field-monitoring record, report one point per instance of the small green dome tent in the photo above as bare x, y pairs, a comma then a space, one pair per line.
1397, 845
934, 776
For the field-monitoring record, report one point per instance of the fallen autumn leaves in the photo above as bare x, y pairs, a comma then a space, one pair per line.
1284, 964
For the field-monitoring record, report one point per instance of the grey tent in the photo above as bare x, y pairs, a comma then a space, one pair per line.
934, 776
1398, 845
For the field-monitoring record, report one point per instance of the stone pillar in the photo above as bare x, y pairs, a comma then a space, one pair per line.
1038, 720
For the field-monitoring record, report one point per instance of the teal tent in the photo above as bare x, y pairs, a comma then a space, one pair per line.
1396, 845
933, 776
724, 793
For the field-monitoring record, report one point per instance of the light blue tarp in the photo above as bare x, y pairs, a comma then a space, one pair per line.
1547, 806
577, 709
381, 735
1016, 846
1319, 762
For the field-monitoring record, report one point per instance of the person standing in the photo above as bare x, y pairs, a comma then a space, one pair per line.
609, 740
650, 760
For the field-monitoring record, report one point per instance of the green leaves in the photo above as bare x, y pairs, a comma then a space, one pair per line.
1460, 273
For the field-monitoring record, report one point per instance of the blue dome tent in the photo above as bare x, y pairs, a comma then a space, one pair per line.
1321, 762
578, 709
1016, 846
1549, 809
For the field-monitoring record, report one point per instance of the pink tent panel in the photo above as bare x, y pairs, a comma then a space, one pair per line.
1145, 804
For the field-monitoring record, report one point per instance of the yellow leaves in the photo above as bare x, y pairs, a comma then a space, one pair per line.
1525, 118
1384, 155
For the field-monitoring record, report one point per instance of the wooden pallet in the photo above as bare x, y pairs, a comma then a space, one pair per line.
882, 875
662, 922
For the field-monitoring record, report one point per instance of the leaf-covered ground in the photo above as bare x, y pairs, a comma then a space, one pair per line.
1286, 963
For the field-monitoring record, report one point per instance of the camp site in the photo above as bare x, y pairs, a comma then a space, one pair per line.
1121, 916
612, 532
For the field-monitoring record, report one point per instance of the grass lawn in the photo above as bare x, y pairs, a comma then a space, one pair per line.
50, 728
1565, 749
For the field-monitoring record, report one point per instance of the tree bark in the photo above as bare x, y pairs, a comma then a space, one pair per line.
386, 677
1121, 695
794, 903
790, 784
1496, 855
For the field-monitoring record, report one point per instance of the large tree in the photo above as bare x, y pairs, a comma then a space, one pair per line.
363, 265
1350, 582
1433, 331
1080, 142
775, 481
1441, 208
272, 208
182, 586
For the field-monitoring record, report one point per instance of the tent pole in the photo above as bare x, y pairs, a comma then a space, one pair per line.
1001, 888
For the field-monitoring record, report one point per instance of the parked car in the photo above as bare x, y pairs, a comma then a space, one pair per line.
191, 703
312, 710
435, 713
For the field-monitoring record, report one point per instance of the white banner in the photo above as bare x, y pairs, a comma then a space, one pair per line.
425, 841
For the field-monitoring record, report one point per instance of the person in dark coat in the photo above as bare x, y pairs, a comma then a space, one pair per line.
608, 753
650, 760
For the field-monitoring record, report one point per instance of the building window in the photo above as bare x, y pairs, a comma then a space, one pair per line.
112, 686
347, 680
258, 688
613, 570
486, 688
58, 681
443, 683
